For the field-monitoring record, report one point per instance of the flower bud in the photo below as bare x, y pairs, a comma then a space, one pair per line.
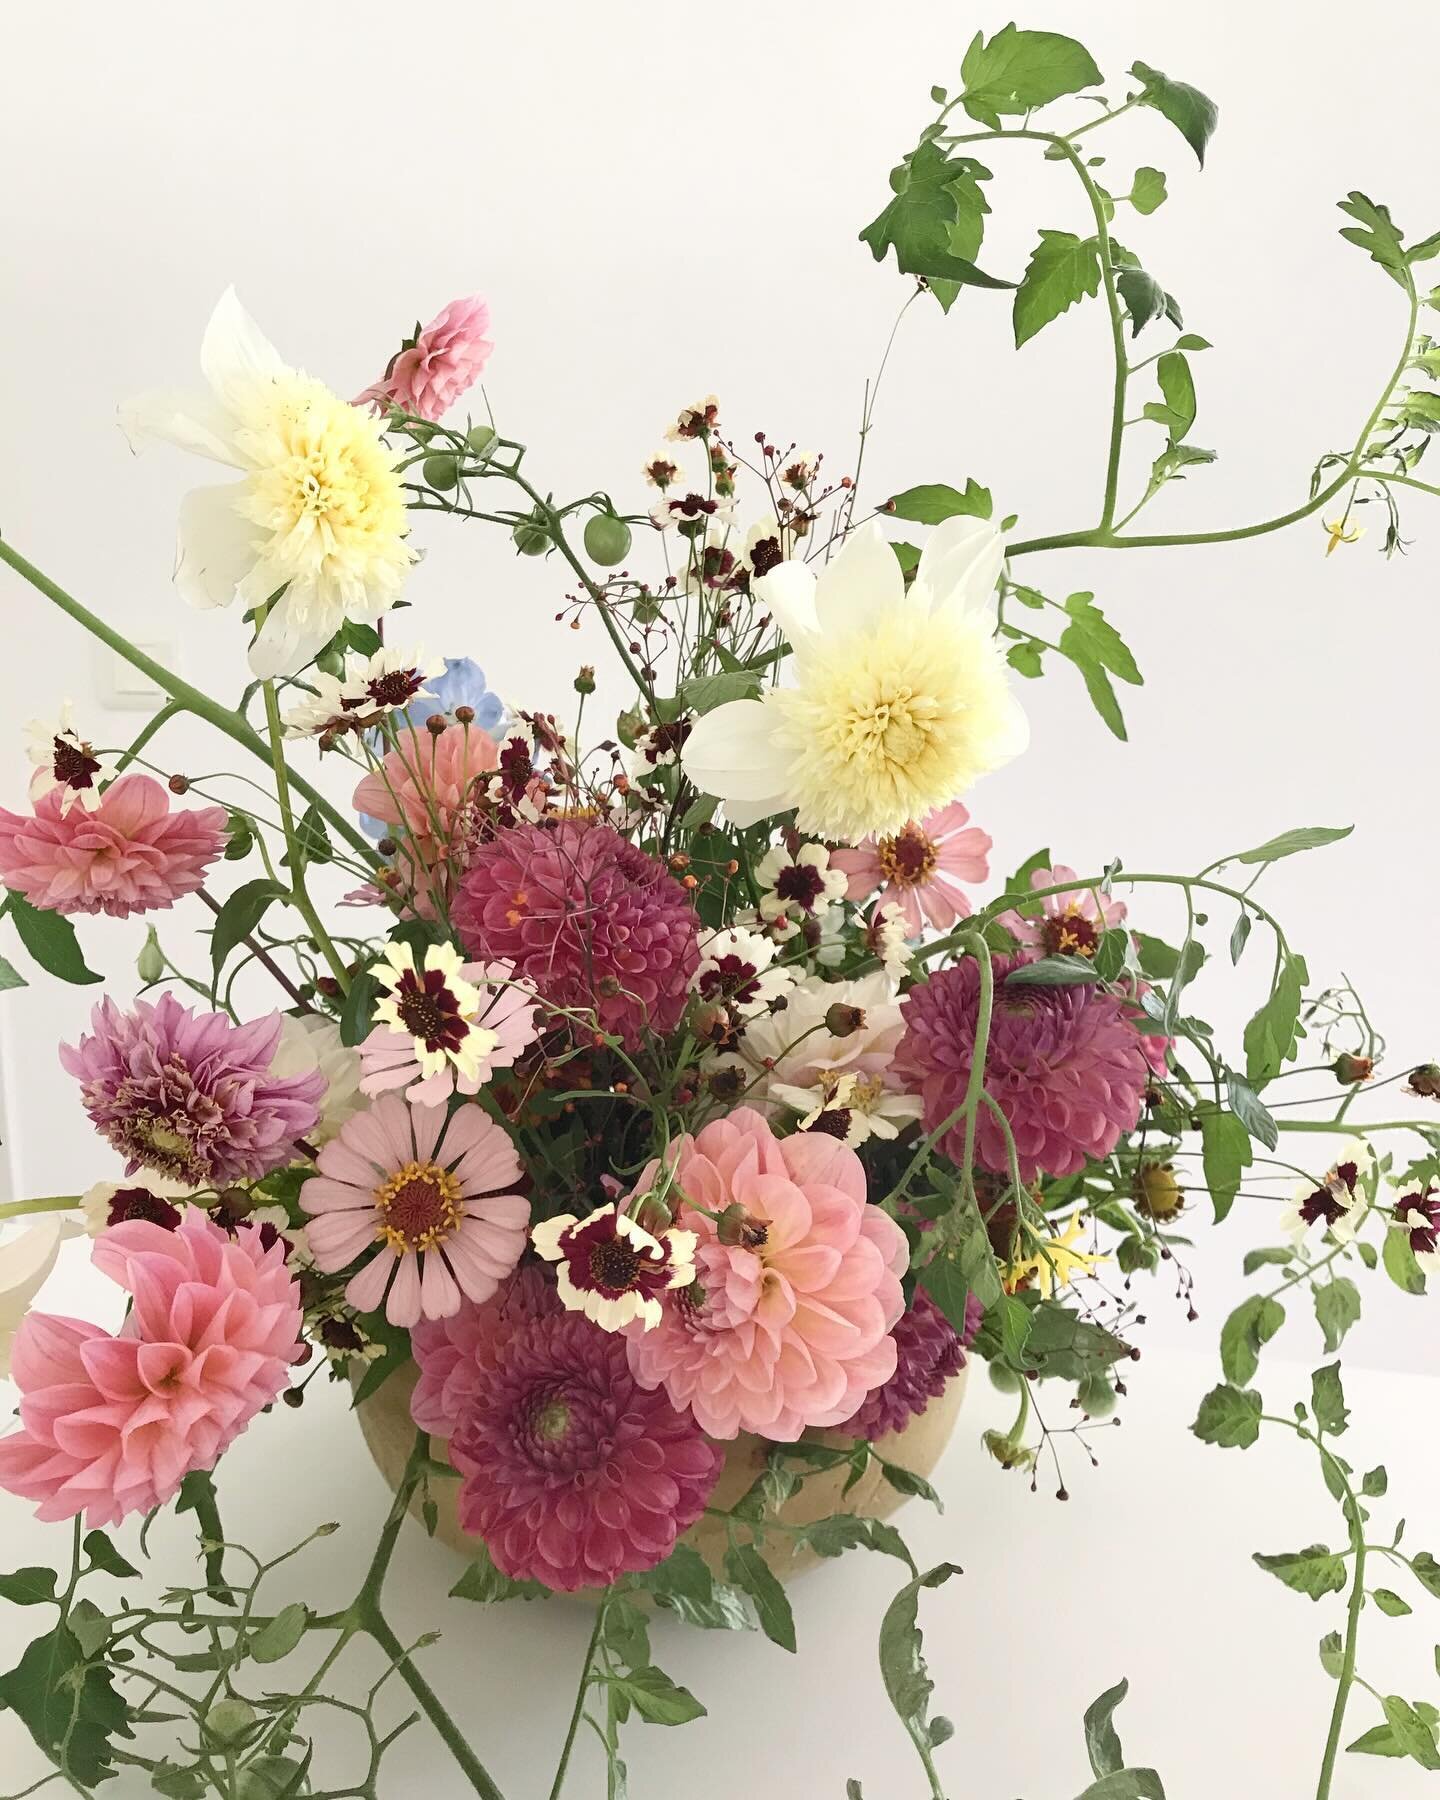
844, 1021
1350, 1070
387, 846
441, 471
736, 1228
235, 1202
294, 1398
1425, 1081
150, 963
436, 723
464, 715
654, 1216
585, 680
179, 784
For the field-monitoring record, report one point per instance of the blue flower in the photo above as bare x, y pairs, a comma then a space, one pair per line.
462, 684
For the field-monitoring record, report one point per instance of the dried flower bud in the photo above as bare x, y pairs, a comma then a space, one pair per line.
235, 1203
150, 963
1350, 1070
712, 1025
464, 715
737, 1228
726, 1084
294, 1398
844, 1021
387, 846
436, 723
179, 784
585, 680
608, 986
1425, 1081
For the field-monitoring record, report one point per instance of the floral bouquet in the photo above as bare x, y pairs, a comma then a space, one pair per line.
667, 1114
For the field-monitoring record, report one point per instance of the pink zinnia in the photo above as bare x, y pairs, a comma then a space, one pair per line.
424, 788
131, 854
921, 868
431, 371
591, 921
1069, 924
790, 1327
427, 1192
453, 1354
571, 1471
111, 1425
190, 1093
1067, 1066
930, 1353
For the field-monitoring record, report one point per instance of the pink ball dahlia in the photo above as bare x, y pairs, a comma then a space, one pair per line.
790, 1327
930, 1352
111, 1425
454, 1354
423, 789
190, 1094
1067, 1066
130, 854
571, 1471
431, 372
590, 920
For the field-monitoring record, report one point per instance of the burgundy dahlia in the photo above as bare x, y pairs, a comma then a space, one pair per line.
1066, 1065
591, 921
930, 1351
571, 1472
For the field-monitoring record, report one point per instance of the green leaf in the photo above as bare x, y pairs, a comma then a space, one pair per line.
944, 1281
239, 916
1062, 269
1192, 114
1225, 1155
906, 1481
1391, 1604
1126, 1784
848, 1531
1240, 934
312, 839
1332, 1654
239, 837
28, 1587
1252, 1111
1377, 233
707, 692
1278, 1254
1100, 638
1272, 1035
1379, 1740
483, 1582
357, 1015
1229, 1417
1327, 1399
1177, 385
1160, 960
10, 976
1290, 843
935, 222
1174, 459
1017, 70
279, 1636
1400, 1263
932, 504
1337, 1308
42, 1690
106, 1558
1245, 1333
658, 1699
1147, 190
1375, 1483
1426, 1571
1053, 971
747, 1569
683, 1584
1143, 296
1027, 659
902, 1660
1102, 1741
1415, 1737
51, 940
1315, 1570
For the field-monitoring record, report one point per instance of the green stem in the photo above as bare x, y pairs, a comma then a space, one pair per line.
975, 1087
1352, 1628
20, 1209
580, 1694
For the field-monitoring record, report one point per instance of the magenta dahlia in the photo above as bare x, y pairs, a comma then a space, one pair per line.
929, 1352
590, 920
190, 1093
453, 1354
571, 1472
1067, 1066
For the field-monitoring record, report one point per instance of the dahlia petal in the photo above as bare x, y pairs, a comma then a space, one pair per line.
864, 578
216, 545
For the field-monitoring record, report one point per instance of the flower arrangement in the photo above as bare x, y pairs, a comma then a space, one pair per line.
681, 1095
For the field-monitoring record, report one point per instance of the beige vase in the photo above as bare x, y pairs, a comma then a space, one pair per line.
390, 1433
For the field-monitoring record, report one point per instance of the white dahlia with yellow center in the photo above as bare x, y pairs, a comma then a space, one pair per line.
318, 516
895, 702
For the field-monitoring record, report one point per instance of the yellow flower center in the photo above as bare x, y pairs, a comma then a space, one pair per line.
419, 1207
908, 859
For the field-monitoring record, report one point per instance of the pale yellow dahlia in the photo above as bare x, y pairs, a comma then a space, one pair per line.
318, 516
896, 700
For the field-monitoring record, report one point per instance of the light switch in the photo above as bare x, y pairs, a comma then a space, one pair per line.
126, 687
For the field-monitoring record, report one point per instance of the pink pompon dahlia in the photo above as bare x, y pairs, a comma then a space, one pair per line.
1068, 1066
453, 1354
190, 1094
423, 790
1068, 924
921, 868
930, 1353
572, 1471
594, 923
129, 854
429, 1193
111, 1425
430, 371
790, 1326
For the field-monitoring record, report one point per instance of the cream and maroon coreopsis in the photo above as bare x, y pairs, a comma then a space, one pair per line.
610, 1268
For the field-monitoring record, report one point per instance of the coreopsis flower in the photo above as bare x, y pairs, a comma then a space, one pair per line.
764, 549
921, 868
851, 1107
107, 1203
191, 1094
799, 883
610, 1268
1066, 1065
129, 853
1054, 1263
797, 1047
369, 689
691, 514
929, 1354
113, 1424
887, 936
789, 1324
429, 1193
661, 471
313, 1042
26, 1261
65, 763
1338, 1202
453, 1354
894, 700
443, 1026
571, 1471
1416, 1212
659, 745
432, 369
425, 786
318, 515
1069, 924
737, 970
697, 421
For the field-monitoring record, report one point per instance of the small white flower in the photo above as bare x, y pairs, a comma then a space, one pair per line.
691, 514
797, 470
612, 1269
26, 1260
64, 760
798, 884
661, 471
697, 421
886, 935
1339, 1201
659, 746
370, 688
737, 969
299, 1255
849, 1106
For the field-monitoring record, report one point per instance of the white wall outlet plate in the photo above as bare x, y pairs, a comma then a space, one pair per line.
124, 687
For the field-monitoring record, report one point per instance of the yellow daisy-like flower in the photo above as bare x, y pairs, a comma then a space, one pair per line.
897, 701
318, 516
1055, 1264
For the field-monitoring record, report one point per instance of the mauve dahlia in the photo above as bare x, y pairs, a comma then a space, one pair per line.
1066, 1065
929, 1353
191, 1094
571, 1472
453, 1354
590, 920
129, 854
111, 1425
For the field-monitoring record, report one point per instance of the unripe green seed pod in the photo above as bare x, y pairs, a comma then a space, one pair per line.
229, 1719
530, 538
150, 963
481, 439
441, 471
607, 539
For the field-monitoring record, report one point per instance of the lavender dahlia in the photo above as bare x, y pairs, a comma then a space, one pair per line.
189, 1093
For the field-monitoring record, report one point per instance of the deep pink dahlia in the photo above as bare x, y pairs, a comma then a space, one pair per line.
572, 1472
1066, 1065
191, 1094
453, 1354
130, 854
111, 1425
590, 920
929, 1353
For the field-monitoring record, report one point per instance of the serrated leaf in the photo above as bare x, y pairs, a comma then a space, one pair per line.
1018, 70
484, 1583
1272, 1034
41, 1690
902, 1660
1314, 1571
1414, 1735
1062, 269
51, 941
933, 503
1192, 113
1229, 1417
1245, 1333
935, 222
1327, 1399
657, 1699
1376, 233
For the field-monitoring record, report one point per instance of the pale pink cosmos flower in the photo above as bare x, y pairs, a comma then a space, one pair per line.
921, 868
1069, 924
111, 1425
427, 1193
435, 367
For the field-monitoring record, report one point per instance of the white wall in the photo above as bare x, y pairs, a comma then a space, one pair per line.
660, 202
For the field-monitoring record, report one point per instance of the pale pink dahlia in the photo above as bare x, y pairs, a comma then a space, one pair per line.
1066, 1065
129, 854
453, 1354
790, 1327
571, 1471
930, 1353
435, 367
590, 920
423, 790
190, 1094
1068, 924
111, 1425
428, 1193
921, 868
